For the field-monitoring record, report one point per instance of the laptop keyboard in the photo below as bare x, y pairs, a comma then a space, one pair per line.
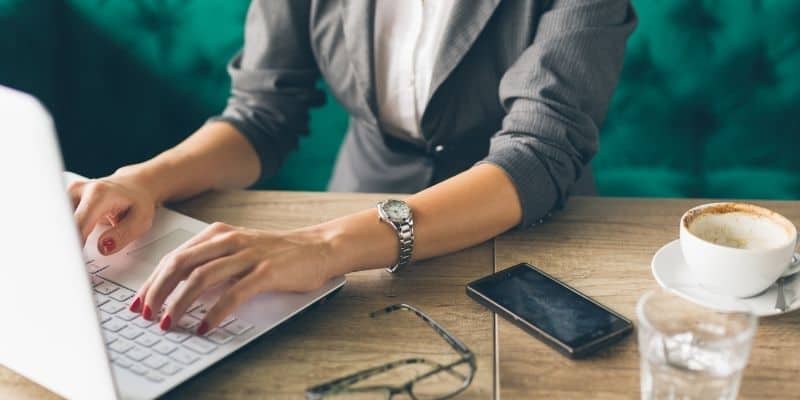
141, 347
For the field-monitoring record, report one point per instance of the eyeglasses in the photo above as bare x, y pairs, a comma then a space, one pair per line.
427, 380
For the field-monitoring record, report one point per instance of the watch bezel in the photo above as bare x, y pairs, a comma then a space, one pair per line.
384, 215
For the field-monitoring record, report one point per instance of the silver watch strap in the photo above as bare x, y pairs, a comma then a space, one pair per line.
405, 232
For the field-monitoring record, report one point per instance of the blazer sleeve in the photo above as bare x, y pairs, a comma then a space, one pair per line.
273, 80
555, 96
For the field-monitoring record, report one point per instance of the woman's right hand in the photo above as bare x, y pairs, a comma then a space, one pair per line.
121, 201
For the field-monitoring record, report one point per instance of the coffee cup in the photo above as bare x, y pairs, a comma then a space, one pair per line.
737, 249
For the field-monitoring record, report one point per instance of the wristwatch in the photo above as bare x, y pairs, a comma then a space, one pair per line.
398, 214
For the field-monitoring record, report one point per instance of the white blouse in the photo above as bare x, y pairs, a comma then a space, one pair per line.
407, 38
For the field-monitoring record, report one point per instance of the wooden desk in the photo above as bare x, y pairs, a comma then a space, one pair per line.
603, 247
338, 337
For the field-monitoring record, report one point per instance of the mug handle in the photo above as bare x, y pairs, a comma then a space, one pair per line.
794, 266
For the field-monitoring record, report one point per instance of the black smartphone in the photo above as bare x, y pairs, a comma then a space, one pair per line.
562, 317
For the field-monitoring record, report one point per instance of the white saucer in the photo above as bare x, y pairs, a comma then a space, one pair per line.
672, 273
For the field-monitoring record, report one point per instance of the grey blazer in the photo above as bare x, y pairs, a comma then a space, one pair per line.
522, 84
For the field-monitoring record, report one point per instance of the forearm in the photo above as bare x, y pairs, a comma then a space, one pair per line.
216, 157
462, 211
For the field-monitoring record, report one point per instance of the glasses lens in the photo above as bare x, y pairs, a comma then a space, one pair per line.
443, 383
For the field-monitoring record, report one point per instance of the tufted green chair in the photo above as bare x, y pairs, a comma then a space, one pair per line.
708, 103
126, 79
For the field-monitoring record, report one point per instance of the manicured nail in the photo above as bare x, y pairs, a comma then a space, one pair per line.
107, 245
147, 313
203, 328
136, 305
165, 322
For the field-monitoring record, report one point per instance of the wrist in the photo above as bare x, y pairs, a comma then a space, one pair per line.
357, 242
146, 177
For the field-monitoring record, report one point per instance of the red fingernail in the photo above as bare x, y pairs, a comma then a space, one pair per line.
136, 305
165, 322
203, 328
146, 313
107, 245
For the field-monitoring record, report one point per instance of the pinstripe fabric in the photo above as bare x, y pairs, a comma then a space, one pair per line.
523, 84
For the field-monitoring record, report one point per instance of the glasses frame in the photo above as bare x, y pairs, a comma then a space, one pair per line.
344, 384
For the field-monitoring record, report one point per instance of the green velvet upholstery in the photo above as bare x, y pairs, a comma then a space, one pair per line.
708, 103
126, 79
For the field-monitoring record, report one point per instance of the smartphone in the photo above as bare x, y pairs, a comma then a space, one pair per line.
550, 310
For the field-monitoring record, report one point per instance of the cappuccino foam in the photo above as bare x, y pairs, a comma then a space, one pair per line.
739, 230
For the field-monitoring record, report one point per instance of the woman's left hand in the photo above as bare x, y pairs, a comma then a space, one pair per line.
255, 261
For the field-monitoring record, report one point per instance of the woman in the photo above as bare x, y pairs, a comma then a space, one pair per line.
488, 111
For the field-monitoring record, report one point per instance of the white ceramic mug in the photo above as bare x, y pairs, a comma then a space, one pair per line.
735, 271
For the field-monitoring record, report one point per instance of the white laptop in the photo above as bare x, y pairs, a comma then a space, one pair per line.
65, 323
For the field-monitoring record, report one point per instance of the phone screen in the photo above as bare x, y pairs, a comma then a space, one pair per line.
548, 305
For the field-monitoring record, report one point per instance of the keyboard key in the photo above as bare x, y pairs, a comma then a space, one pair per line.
104, 316
199, 345
156, 330
138, 369
226, 321
99, 299
199, 312
127, 315
238, 327
130, 332
123, 362
96, 281
94, 267
153, 376
120, 346
113, 356
109, 337
184, 357
164, 348
177, 336
122, 294
114, 325
137, 354
188, 323
112, 307
105, 288
170, 369
219, 336
155, 361
142, 323
193, 307
147, 340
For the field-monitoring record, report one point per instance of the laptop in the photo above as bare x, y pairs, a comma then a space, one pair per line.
65, 321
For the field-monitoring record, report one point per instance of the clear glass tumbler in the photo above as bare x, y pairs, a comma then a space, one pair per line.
691, 352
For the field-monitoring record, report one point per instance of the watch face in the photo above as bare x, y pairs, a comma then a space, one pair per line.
396, 210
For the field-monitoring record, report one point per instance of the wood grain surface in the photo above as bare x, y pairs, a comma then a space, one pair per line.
338, 337
603, 247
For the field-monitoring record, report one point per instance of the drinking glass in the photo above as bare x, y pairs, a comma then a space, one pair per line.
691, 352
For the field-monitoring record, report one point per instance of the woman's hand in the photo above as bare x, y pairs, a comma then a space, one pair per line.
252, 261
121, 200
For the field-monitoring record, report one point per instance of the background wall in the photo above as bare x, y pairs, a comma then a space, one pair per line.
708, 104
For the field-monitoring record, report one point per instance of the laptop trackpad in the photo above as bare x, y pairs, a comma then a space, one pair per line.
133, 268
153, 252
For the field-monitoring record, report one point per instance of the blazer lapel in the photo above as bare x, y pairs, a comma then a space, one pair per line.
357, 21
467, 20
